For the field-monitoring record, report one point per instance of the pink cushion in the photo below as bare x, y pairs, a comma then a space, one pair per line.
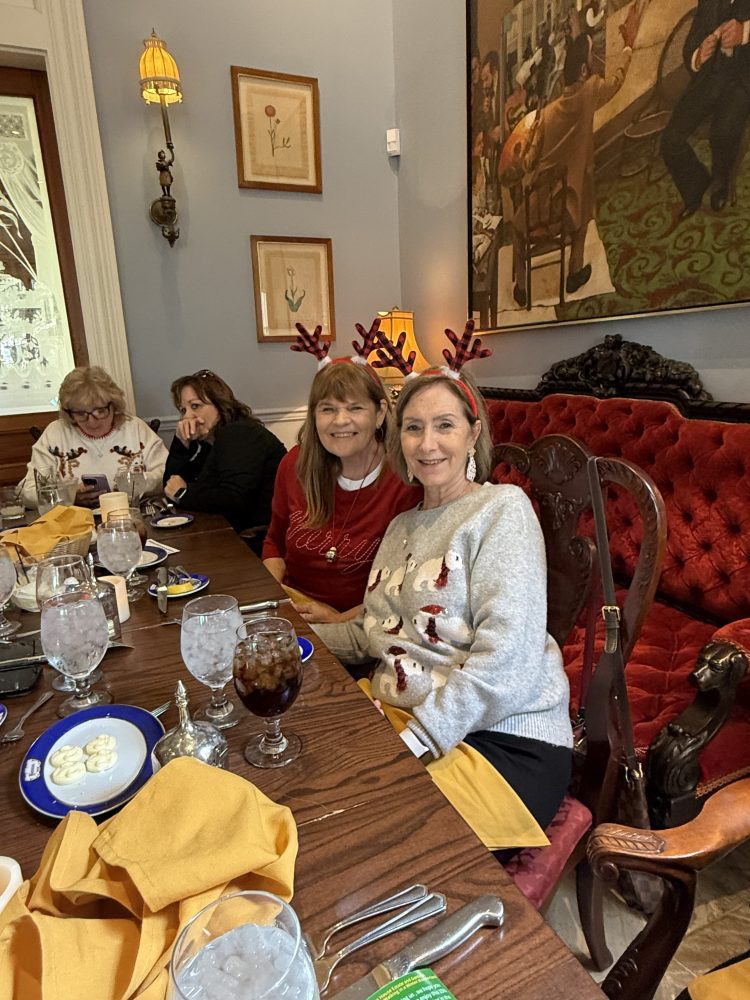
537, 870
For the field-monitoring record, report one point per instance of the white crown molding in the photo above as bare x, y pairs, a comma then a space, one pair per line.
72, 94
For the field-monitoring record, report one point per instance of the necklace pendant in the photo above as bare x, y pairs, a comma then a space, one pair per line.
331, 554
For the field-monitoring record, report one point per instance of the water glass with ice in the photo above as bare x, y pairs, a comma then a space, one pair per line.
7, 586
244, 946
57, 575
119, 548
207, 642
74, 640
133, 482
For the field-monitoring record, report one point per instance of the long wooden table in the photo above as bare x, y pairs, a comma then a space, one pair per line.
370, 820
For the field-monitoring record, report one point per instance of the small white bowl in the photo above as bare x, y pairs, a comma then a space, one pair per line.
10, 879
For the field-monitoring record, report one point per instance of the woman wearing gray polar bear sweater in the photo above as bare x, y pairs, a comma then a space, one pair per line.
455, 609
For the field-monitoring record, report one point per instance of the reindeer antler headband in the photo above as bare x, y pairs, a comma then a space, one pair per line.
392, 356
310, 343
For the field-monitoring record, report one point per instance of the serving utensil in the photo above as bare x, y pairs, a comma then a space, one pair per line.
16, 733
317, 943
435, 943
427, 907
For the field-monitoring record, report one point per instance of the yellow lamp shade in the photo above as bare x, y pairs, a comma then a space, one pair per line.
392, 324
160, 77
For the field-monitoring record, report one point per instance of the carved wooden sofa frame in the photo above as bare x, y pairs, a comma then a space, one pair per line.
624, 400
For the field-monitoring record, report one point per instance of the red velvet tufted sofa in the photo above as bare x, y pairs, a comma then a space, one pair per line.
687, 682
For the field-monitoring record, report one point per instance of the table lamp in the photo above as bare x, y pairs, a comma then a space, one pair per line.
392, 324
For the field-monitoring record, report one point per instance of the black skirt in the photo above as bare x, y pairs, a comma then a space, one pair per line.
539, 773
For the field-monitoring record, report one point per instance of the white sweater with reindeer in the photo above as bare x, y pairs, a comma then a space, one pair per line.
455, 611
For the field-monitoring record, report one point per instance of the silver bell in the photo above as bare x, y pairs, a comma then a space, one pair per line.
191, 739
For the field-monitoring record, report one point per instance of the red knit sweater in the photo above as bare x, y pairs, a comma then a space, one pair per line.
366, 514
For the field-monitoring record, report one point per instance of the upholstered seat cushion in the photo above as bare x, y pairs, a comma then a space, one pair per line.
537, 870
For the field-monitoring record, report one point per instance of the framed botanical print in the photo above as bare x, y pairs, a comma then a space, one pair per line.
277, 130
293, 283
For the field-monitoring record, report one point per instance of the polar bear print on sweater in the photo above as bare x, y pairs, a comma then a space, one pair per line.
376, 577
433, 575
393, 625
436, 627
396, 581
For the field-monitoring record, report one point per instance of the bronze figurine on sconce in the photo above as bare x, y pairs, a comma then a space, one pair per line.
164, 210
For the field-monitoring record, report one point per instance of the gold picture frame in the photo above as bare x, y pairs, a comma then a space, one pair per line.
293, 283
277, 130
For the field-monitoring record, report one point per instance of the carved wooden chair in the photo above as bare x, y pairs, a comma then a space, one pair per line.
677, 856
555, 467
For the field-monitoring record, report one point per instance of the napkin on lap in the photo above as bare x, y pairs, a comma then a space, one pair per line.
99, 918
60, 524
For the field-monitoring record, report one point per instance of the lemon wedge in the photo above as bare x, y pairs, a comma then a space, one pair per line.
179, 588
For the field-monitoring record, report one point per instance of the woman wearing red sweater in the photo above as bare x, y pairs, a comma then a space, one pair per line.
335, 495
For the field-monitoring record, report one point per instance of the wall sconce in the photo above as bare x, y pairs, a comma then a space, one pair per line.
160, 84
392, 324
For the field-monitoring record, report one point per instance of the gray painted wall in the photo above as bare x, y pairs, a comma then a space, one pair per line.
192, 306
398, 228
429, 41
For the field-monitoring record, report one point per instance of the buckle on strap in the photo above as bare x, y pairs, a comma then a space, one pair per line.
611, 617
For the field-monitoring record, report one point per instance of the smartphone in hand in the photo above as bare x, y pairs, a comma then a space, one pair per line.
99, 483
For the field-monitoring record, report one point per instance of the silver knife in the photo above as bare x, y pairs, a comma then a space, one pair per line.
162, 589
255, 606
429, 947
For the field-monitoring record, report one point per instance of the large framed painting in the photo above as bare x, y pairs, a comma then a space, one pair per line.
277, 130
608, 174
293, 283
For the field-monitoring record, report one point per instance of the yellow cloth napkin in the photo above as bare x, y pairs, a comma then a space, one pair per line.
478, 792
58, 525
99, 918
732, 983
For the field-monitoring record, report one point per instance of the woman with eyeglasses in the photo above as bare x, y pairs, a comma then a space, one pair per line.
94, 438
222, 458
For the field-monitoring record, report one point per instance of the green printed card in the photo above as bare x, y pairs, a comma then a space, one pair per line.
422, 984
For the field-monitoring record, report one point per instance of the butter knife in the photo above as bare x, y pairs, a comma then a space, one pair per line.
162, 589
430, 946
256, 606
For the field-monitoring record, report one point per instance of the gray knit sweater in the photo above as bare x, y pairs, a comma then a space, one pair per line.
455, 611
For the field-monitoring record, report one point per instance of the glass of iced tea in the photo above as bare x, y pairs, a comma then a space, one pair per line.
267, 678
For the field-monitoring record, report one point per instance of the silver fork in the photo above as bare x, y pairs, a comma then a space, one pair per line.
428, 907
16, 733
317, 943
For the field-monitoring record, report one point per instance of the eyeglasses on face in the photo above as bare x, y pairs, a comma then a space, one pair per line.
97, 413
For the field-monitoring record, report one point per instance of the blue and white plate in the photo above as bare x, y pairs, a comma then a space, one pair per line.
200, 582
171, 520
3, 714
153, 555
136, 732
305, 648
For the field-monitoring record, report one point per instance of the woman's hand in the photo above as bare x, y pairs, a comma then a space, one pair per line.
88, 496
314, 612
173, 484
377, 704
191, 429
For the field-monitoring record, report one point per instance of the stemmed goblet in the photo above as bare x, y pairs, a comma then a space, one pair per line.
119, 548
207, 642
7, 586
74, 639
267, 677
243, 946
57, 575
133, 482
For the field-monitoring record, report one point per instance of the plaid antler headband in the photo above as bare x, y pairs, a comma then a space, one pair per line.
310, 343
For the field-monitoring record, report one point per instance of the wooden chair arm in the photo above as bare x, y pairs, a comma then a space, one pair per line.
722, 825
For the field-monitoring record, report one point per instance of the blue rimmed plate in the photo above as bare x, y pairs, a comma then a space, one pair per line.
153, 555
200, 582
171, 520
136, 732
305, 648
3, 714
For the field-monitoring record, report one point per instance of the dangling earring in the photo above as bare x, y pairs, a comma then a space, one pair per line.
471, 466
409, 475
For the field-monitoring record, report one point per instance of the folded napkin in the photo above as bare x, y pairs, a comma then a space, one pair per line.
99, 918
478, 792
60, 524
731, 983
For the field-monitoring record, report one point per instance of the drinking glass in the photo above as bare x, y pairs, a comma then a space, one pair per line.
267, 677
49, 496
207, 642
57, 575
7, 586
12, 507
74, 640
133, 482
119, 548
137, 580
243, 946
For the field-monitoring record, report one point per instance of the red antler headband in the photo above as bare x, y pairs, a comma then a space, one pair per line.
392, 356
310, 343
